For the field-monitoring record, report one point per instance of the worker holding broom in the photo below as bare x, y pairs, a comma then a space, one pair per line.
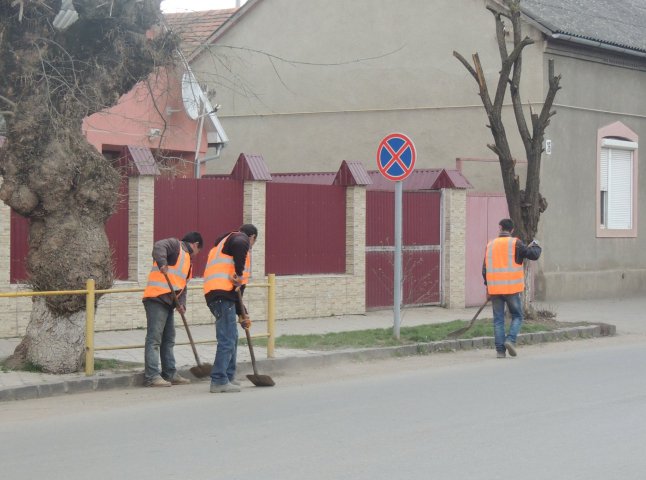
228, 268
504, 277
172, 264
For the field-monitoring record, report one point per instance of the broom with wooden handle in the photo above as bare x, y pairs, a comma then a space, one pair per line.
201, 370
462, 330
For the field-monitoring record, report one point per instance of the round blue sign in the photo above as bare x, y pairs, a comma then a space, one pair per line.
396, 156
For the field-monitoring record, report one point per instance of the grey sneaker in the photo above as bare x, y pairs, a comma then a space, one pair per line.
235, 382
179, 380
226, 388
158, 382
511, 348
500, 355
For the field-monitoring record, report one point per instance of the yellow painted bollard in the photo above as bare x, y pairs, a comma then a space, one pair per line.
271, 315
89, 327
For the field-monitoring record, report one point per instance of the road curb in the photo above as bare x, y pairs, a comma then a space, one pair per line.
109, 381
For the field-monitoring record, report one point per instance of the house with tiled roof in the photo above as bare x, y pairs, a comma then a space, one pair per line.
310, 83
195, 28
169, 115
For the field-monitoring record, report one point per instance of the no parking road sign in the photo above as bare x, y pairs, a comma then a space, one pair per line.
396, 156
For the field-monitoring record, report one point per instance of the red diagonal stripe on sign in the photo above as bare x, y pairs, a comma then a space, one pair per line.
396, 155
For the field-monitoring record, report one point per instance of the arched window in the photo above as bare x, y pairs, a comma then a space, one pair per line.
617, 149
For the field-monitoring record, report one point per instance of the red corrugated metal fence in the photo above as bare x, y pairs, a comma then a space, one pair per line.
211, 206
421, 248
116, 229
305, 229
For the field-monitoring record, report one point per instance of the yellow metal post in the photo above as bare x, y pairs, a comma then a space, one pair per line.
89, 327
271, 315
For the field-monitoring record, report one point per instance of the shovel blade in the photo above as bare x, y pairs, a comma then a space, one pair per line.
202, 370
261, 380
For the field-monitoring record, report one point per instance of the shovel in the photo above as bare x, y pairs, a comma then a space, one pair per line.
256, 379
201, 370
460, 331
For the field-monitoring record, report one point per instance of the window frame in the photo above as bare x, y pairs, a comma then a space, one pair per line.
618, 136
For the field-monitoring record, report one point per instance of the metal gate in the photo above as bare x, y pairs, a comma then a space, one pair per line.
421, 248
484, 211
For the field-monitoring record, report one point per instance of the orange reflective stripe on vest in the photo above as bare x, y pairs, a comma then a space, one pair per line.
220, 267
504, 275
177, 274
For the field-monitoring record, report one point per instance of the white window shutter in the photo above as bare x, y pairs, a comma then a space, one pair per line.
620, 189
603, 170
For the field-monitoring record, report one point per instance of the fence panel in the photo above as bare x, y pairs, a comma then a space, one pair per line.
421, 248
116, 229
211, 206
19, 248
305, 229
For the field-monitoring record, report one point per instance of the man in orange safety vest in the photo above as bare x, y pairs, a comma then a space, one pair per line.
503, 274
172, 259
228, 268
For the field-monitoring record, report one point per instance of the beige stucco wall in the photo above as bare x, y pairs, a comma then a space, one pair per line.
343, 74
576, 263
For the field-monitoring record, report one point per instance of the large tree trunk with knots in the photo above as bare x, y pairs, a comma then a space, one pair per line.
525, 206
50, 80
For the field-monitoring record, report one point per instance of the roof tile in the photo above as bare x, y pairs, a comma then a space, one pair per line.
194, 28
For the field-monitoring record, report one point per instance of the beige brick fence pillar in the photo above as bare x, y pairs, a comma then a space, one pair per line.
454, 247
255, 201
5, 243
141, 223
355, 248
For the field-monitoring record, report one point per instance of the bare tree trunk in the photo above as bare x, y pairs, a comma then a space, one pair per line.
525, 206
528, 297
57, 344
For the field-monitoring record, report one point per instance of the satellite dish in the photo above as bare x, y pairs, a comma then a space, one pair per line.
191, 96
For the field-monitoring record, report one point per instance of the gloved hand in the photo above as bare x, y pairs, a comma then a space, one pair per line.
534, 242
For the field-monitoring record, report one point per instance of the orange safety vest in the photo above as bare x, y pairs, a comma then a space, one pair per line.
504, 275
178, 275
220, 268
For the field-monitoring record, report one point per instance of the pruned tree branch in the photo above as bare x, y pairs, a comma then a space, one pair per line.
525, 206
7, 101
466, 65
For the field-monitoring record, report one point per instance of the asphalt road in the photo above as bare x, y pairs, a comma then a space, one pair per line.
575, 410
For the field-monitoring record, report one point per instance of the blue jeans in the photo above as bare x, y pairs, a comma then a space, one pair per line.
226, 333
160, 340
516, 309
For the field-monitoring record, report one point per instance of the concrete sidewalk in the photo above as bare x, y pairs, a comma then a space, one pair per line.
626, 314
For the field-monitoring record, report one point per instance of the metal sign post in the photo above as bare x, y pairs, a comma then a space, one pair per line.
396, 160
397, 283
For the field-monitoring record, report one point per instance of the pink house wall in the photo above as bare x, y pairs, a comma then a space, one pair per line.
153, 104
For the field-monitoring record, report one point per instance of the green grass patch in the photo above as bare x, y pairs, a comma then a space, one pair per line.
383, 337
113, 364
